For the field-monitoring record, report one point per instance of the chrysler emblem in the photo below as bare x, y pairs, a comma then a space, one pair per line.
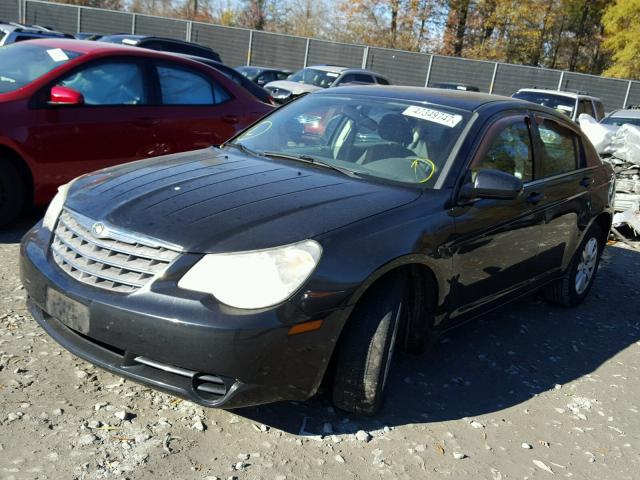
99, 230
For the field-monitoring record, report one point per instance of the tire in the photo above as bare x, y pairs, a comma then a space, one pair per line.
366, 348
12, 193
574, 286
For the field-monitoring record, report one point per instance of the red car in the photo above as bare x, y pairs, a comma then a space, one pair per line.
69, 107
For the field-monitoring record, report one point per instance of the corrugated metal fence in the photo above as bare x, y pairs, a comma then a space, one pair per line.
238, 46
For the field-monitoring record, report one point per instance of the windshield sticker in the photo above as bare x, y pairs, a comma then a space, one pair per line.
331, 74
443, 118
129, 41
57, 55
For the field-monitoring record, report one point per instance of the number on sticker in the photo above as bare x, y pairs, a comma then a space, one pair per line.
443, 118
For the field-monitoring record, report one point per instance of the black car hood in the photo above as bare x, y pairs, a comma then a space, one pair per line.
214, 200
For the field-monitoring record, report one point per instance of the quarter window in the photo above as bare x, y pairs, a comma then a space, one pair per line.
179, 86
112, 83
510, 152
560, 148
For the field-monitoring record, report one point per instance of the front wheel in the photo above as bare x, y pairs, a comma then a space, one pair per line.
366, 348
575, 284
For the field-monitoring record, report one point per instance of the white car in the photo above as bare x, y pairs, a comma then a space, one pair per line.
620, 117
318, 77
572, 104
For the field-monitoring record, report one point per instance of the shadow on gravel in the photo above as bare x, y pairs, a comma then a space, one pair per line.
14, 232
494, 363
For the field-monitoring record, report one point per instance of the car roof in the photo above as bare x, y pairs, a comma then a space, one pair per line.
84, 46
626, 113
339, 69
562, 93
453, 98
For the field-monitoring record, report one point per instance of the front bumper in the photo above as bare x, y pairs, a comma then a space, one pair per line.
181, 342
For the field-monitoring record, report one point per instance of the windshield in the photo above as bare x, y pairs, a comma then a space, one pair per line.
559, 103
397, 140
619, 121
318, 78
22, 63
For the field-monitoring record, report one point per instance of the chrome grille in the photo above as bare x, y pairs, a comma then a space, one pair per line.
121, 263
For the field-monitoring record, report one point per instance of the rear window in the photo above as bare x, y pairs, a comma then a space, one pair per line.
22, 63
562, 104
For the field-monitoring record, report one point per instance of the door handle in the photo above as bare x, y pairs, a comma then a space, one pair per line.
586, 182
232, 119
535, 197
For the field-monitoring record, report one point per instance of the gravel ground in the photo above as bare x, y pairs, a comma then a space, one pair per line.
531, 391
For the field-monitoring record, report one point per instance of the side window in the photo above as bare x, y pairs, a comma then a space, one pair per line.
585, 106
282, 75
181, 86
510, 152
266, 77
109, 83
382, 81
561, 148
356, 77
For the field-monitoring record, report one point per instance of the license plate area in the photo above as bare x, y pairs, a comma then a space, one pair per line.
72, 313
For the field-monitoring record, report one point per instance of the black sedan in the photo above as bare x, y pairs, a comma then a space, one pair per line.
302, 248
263, 75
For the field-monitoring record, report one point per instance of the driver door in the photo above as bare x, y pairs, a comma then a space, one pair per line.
497, 241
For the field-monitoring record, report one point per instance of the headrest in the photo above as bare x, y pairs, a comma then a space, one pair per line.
395, 128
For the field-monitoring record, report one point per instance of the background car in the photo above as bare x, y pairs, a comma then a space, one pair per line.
457, 86
316, 78
72, 106
263, 75
16, 32
620, 117
88, 36
256, 274
571, 104
162, 44
257, 91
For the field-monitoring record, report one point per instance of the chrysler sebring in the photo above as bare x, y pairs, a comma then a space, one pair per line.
290, 255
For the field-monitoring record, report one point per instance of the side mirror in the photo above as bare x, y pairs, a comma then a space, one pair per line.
65, 96
495, 184
260, 81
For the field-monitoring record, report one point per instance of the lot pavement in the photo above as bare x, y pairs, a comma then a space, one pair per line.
530, 391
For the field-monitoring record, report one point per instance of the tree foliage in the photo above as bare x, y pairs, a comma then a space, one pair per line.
588, 36
622, 29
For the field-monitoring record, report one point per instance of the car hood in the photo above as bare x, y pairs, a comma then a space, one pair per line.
214, 200
294, 87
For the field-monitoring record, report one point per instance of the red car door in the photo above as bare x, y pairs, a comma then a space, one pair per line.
114, 124
197, 109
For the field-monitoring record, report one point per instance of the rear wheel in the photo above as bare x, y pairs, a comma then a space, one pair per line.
12, 193
366, 348
575, 284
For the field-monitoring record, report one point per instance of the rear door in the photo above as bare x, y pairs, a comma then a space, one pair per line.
193, 109
566, 184
112, 126
497, 245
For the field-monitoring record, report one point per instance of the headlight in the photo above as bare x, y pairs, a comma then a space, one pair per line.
55, 207
255, 279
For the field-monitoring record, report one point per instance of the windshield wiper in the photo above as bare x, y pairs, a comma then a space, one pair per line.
240, 147
313, 161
